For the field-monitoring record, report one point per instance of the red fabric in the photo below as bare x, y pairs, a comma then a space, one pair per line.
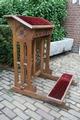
35, 20
59, 89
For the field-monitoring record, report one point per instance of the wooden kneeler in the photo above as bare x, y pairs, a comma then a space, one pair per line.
31, 47
60, 89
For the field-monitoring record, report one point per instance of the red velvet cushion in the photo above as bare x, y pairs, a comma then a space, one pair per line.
59, 89
35, 20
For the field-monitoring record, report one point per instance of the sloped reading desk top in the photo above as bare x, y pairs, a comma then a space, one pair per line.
32, 22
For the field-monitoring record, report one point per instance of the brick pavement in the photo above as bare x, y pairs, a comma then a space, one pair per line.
14, 106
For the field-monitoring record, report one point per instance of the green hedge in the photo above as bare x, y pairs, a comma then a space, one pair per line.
53, 10
5, 45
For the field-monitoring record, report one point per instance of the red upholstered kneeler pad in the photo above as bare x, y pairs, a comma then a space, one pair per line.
61, 86
35, 20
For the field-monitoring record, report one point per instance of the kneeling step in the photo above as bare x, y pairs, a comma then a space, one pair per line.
61, 87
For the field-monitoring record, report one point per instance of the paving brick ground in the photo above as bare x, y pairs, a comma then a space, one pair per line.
14, 106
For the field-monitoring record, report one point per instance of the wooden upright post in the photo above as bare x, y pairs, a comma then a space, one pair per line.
47, 69
42, 54
15, 61
22, 62
34, 57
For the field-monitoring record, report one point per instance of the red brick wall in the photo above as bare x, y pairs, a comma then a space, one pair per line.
72, 23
